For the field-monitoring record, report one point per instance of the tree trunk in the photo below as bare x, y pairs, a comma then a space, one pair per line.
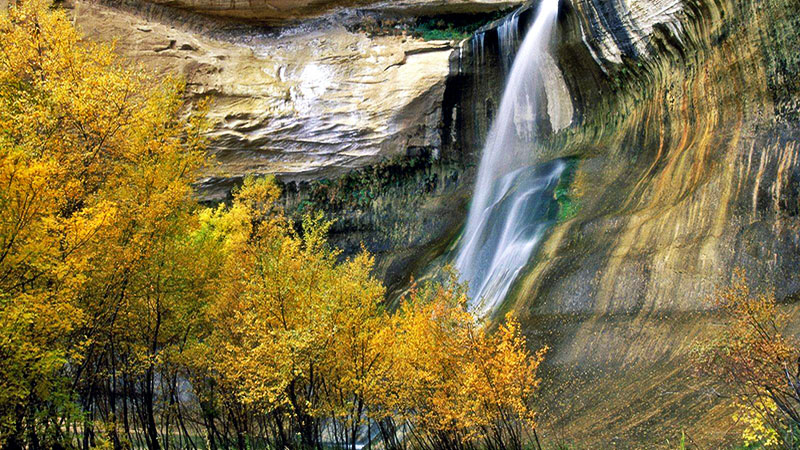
150, 418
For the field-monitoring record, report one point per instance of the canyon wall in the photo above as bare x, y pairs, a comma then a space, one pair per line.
345, 110
683, 150
678, 122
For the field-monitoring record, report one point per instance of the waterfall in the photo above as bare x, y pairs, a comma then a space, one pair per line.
508, 37
508, 216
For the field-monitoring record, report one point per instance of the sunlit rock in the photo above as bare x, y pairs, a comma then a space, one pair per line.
305, 102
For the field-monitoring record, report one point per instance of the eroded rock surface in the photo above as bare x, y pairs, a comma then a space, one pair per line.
350, 122
307, 102
277, 11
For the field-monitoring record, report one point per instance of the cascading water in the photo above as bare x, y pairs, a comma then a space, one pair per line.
508, 216
508, 36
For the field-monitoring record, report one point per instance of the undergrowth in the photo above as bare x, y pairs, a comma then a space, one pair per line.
454, 28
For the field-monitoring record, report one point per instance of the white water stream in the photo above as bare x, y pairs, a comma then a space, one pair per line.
508, 216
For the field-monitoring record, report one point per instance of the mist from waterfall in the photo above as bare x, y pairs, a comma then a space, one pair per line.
508, 216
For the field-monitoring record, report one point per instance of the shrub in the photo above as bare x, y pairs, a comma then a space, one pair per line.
752, 356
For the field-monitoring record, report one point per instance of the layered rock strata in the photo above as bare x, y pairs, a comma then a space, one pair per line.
305, 102
684, 166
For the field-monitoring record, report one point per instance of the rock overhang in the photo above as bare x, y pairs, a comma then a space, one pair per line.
281, 11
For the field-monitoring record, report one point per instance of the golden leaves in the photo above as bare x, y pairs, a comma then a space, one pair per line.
95, 203
751, 355
297, 331
446, 372
288, 313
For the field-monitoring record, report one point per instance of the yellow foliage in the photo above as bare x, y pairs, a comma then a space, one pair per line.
95, 204
445, 372
290, 324
298, 335
751, 355
115, 287
757, 429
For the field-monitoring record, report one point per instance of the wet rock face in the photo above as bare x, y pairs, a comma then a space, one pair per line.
687, 159
405, 211
683, 135
686, 166
617, 29
279, 11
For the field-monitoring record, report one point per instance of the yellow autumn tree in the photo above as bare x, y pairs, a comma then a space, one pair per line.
97, 273
300, 352
753, 358
132, 317
448, 382
291, 326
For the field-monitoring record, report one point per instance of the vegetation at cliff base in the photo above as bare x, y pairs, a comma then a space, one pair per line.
757, 364
133, 317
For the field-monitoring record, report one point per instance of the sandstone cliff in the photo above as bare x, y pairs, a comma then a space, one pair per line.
322, 105
679, 125
303, 102
684, 157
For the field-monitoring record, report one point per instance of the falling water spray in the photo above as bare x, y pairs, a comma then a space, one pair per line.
507, 218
